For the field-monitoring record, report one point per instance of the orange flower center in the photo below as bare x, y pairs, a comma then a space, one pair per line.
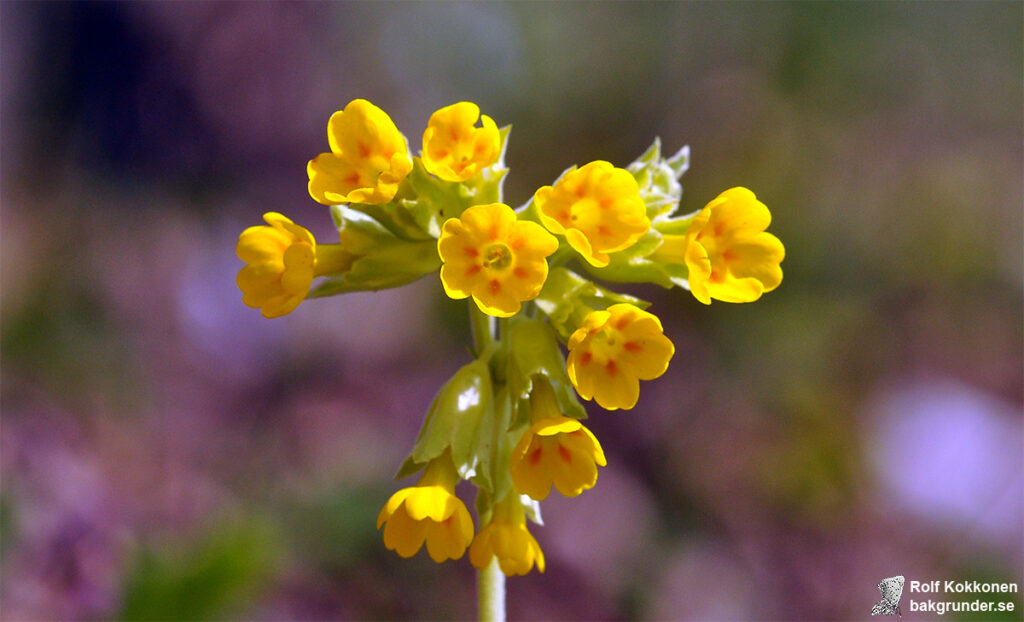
497, 257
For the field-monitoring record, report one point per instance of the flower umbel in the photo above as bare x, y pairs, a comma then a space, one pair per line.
492, 256
281, 261
729, 254
613, 350
555, 450
507, 422
428, 512
453, 148
597, 207
369, 158
507, 538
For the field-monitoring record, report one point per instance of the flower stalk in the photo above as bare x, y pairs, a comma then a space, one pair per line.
490, 580
490, 591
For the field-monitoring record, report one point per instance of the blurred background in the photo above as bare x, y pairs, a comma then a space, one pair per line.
169, 454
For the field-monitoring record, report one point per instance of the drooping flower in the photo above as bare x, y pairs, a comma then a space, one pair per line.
555, 450
507, 538
281, 261
613, 350
492, 256
453, 148
597, 207
369, 158
729, 254
428, 512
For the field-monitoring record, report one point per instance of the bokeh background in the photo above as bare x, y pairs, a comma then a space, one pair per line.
169, 454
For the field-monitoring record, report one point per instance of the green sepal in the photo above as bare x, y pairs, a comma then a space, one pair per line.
453, 422
567, 298
535, 352
484, 503
432, 200
634, 264
493, 448
658, 179
393, 215
383, 260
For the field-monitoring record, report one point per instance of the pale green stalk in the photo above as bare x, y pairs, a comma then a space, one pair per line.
490, 586
490, 581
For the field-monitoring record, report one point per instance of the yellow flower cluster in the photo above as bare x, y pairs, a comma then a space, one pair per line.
399, 216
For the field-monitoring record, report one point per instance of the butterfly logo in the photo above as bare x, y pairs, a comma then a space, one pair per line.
891, 589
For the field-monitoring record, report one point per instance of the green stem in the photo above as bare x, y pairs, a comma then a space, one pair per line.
490, 581
490, 586
482, 327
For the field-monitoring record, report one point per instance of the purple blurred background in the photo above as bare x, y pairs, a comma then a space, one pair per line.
167, 453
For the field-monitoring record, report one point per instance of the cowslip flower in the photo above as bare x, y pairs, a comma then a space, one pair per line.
507, 538
281, 261
453, 148
555, 450
428, 512
369, 158
492, 256
613, 350
597, 208
729, 255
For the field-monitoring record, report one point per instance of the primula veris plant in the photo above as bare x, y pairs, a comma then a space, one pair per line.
547, 329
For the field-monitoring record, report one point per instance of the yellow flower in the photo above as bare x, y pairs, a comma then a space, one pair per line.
428, 511
507, 538
281, 261
555, 450
498, 260
455, 150
729, 254
369, 158
613, 351
597, 207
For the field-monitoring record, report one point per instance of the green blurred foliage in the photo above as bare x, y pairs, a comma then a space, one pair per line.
336, 530
7, 526
212, 578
